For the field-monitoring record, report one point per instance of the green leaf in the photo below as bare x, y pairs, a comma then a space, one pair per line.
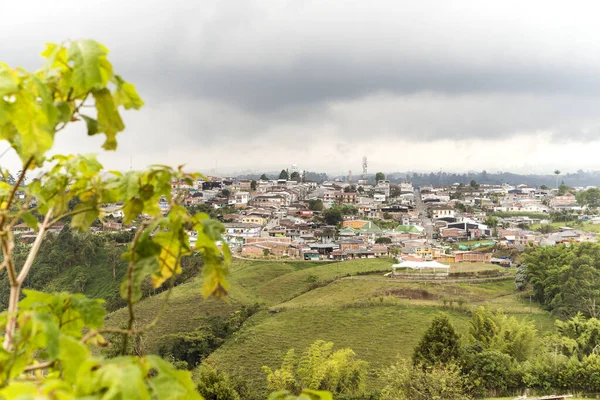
85, 217
141, 269
90, 66
126, 95
30, 220
65, 111
173, 247
91, 124
170, 383
109, 120
72, 355
35, 128
132, 209
122, 379
129, 185
9, 80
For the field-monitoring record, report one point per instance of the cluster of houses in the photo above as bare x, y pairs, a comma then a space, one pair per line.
282, 218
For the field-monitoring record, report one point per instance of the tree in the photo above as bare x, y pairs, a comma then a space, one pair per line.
253, 185
407, 382
440, 344
315, 205
215, 385
284, 175
225, 193
52, 334
589, 198
320, 368
380, 176
473, 184
333, 216
566, 279
562, 189
557, 173
383, 240
264, 177
492, 222
544, 187
295, 176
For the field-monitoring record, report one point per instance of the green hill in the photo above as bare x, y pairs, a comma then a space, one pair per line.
349, 303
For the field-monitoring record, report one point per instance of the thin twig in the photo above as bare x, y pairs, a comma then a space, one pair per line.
70, 214
42, 365
91, 334
20, 179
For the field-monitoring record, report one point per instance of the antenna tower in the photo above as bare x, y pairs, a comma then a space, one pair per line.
364, 165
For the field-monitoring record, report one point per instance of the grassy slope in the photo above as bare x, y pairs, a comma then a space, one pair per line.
99, 284
380, 319
583, 226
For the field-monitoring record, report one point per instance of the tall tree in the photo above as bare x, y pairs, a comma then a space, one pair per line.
295, 176
380, 176
284, 175
264, 177
440, 344
557, 173
253, 185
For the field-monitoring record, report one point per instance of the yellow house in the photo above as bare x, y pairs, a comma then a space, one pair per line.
254, 219
354, 224
424, 252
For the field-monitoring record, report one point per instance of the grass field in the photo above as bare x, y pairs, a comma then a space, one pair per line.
379, 318
583, 226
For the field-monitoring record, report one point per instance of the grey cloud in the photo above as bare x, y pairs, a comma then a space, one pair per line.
275, 74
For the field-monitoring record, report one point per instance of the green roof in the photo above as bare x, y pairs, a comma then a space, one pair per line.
370, 227
406, 229
347, 231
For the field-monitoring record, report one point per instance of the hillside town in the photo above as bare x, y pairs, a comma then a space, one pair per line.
292, 218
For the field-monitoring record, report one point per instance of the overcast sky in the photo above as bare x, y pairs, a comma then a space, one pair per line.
413, 85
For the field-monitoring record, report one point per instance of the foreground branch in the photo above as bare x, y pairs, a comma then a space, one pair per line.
17, 283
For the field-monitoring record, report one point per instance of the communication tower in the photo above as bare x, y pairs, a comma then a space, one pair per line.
364, 165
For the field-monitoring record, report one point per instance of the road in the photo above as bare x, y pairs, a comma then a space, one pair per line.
426, 222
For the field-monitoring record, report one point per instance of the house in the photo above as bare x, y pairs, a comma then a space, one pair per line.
453, 233
112, 226
254, 219
565, 201
354, 223
237, 232
240, 199
350, 244
22, 229
442, 212
270, 248
345, 197
379, 197
472, 256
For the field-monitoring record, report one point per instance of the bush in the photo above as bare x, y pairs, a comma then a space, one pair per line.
215, 385
409, 382
320, 368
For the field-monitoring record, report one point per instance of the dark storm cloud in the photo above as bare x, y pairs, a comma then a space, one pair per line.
271, 73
